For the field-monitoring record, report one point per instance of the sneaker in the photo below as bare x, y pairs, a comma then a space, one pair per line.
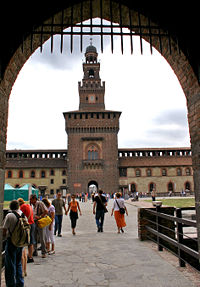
59, 235
30, 260
39, 248
51, 252
44, 256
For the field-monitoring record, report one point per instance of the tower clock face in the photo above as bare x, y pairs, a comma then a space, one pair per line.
91, 98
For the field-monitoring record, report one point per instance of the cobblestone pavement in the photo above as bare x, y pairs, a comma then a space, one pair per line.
103, 259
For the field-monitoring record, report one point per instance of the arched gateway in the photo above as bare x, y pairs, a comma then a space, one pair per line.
175, 37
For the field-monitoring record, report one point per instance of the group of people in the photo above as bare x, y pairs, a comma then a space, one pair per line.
16, 258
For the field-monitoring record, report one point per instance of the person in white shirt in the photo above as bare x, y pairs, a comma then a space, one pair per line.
119, 218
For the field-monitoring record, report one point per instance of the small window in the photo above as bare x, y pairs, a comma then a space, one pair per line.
52, 181
179, 172
64, 181
64, 172
43, 174
148, 172
188, 171
138, 172
9, 175
51, 191
123, 171
52, 172
21, 174
164, 172
32, 174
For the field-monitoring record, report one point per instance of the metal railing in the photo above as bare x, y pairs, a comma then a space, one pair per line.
174, 233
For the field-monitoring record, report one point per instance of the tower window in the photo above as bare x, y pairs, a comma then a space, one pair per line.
93, 153
91, 73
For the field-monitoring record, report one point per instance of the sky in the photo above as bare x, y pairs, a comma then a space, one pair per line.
143, 87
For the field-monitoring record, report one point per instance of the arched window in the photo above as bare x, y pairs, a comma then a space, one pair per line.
170, 186
179, 171
64, 172
21, 174
187, 186
188, 171
148, 172
43, 174
91, 73
151, 186
138, 172
52, 172
133, 187
9, 174
93, 153
32, 174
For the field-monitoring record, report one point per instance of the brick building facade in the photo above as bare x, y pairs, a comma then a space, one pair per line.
93, 157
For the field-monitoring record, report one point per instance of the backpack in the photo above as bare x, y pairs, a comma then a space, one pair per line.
20, 236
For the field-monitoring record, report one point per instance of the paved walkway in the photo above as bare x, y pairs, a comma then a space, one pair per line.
103, 259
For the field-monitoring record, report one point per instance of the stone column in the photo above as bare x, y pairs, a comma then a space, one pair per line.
3, 132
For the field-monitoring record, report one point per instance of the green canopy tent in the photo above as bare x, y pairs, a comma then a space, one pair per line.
22, 192
9, 192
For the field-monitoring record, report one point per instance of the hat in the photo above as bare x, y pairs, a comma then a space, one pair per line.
21, 201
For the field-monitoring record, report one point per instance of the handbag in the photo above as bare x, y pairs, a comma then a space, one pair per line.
104, 207
121, 209
45, 221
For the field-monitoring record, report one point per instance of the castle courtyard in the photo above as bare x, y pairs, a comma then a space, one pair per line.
104, 259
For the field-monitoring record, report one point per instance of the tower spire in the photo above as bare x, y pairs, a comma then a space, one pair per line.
91, 92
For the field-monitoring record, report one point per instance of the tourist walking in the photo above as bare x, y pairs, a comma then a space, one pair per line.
39, 211
49, 237
13, 254
119, 209
73, 208
59, 204
99, 209
28, 212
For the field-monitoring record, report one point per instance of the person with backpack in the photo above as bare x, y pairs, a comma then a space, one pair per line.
13, 254
28, 212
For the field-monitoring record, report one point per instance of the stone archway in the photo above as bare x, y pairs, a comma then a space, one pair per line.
178, 61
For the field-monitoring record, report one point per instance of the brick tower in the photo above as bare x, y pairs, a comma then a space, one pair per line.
92, 156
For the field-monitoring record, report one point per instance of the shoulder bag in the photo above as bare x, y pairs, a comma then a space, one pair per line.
121, 209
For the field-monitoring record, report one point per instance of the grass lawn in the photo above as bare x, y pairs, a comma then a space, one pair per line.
6, 204
177, 202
